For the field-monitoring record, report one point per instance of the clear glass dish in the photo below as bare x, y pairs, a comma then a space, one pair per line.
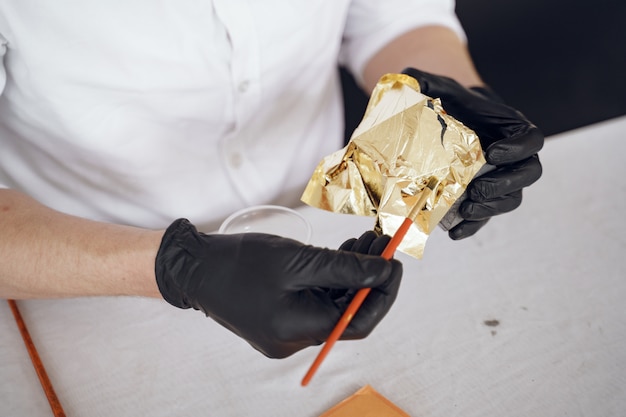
276, 220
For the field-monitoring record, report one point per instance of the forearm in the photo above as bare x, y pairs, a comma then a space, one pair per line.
433, 49
45, 254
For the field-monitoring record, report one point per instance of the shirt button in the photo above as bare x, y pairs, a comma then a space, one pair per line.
235, 160
243, 86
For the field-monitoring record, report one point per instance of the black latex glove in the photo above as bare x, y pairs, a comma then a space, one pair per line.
509, 140
272, 291
368, 243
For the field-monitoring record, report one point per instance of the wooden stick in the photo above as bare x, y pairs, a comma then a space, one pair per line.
55, 405
360, 296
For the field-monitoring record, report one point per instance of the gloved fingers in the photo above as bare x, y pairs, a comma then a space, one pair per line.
308, 324
312, 318
341, 296
475, 210
379, 244
310, 321
469, 106
375, 306
362, 244
525, 143
437, 86
505, 180
337, 269
505, 133
347, 245
278, 351
466, 229
491, 120
368, 243
488, 93
317, 313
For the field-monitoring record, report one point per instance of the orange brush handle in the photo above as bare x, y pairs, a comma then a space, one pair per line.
355, 304
54, 402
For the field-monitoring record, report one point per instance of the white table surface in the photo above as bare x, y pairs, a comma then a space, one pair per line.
553, 273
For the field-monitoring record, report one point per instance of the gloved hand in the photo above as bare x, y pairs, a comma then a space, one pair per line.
369, 243
509, 140
274, 292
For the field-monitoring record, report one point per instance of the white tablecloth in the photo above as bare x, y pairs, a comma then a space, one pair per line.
552, 273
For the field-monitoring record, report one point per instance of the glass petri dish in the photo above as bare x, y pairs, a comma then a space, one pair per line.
275, 220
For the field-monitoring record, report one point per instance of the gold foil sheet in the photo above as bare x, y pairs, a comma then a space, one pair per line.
404, 140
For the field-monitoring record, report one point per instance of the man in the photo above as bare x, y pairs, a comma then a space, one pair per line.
118, 118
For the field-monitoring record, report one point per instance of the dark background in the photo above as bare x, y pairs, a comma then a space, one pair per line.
561, 63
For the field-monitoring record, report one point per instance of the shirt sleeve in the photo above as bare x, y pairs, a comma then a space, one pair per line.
371, 24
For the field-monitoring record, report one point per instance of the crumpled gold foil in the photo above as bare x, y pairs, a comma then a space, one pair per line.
404, 140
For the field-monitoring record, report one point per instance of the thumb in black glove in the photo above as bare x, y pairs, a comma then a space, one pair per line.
274, 292
509, 140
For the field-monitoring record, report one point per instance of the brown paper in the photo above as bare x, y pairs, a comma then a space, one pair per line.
404, 140
366, 402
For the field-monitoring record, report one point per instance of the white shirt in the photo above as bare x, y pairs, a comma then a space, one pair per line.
139, 112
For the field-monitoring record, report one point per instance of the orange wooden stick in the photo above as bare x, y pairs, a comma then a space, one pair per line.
57, 409
354, 306
360, 296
